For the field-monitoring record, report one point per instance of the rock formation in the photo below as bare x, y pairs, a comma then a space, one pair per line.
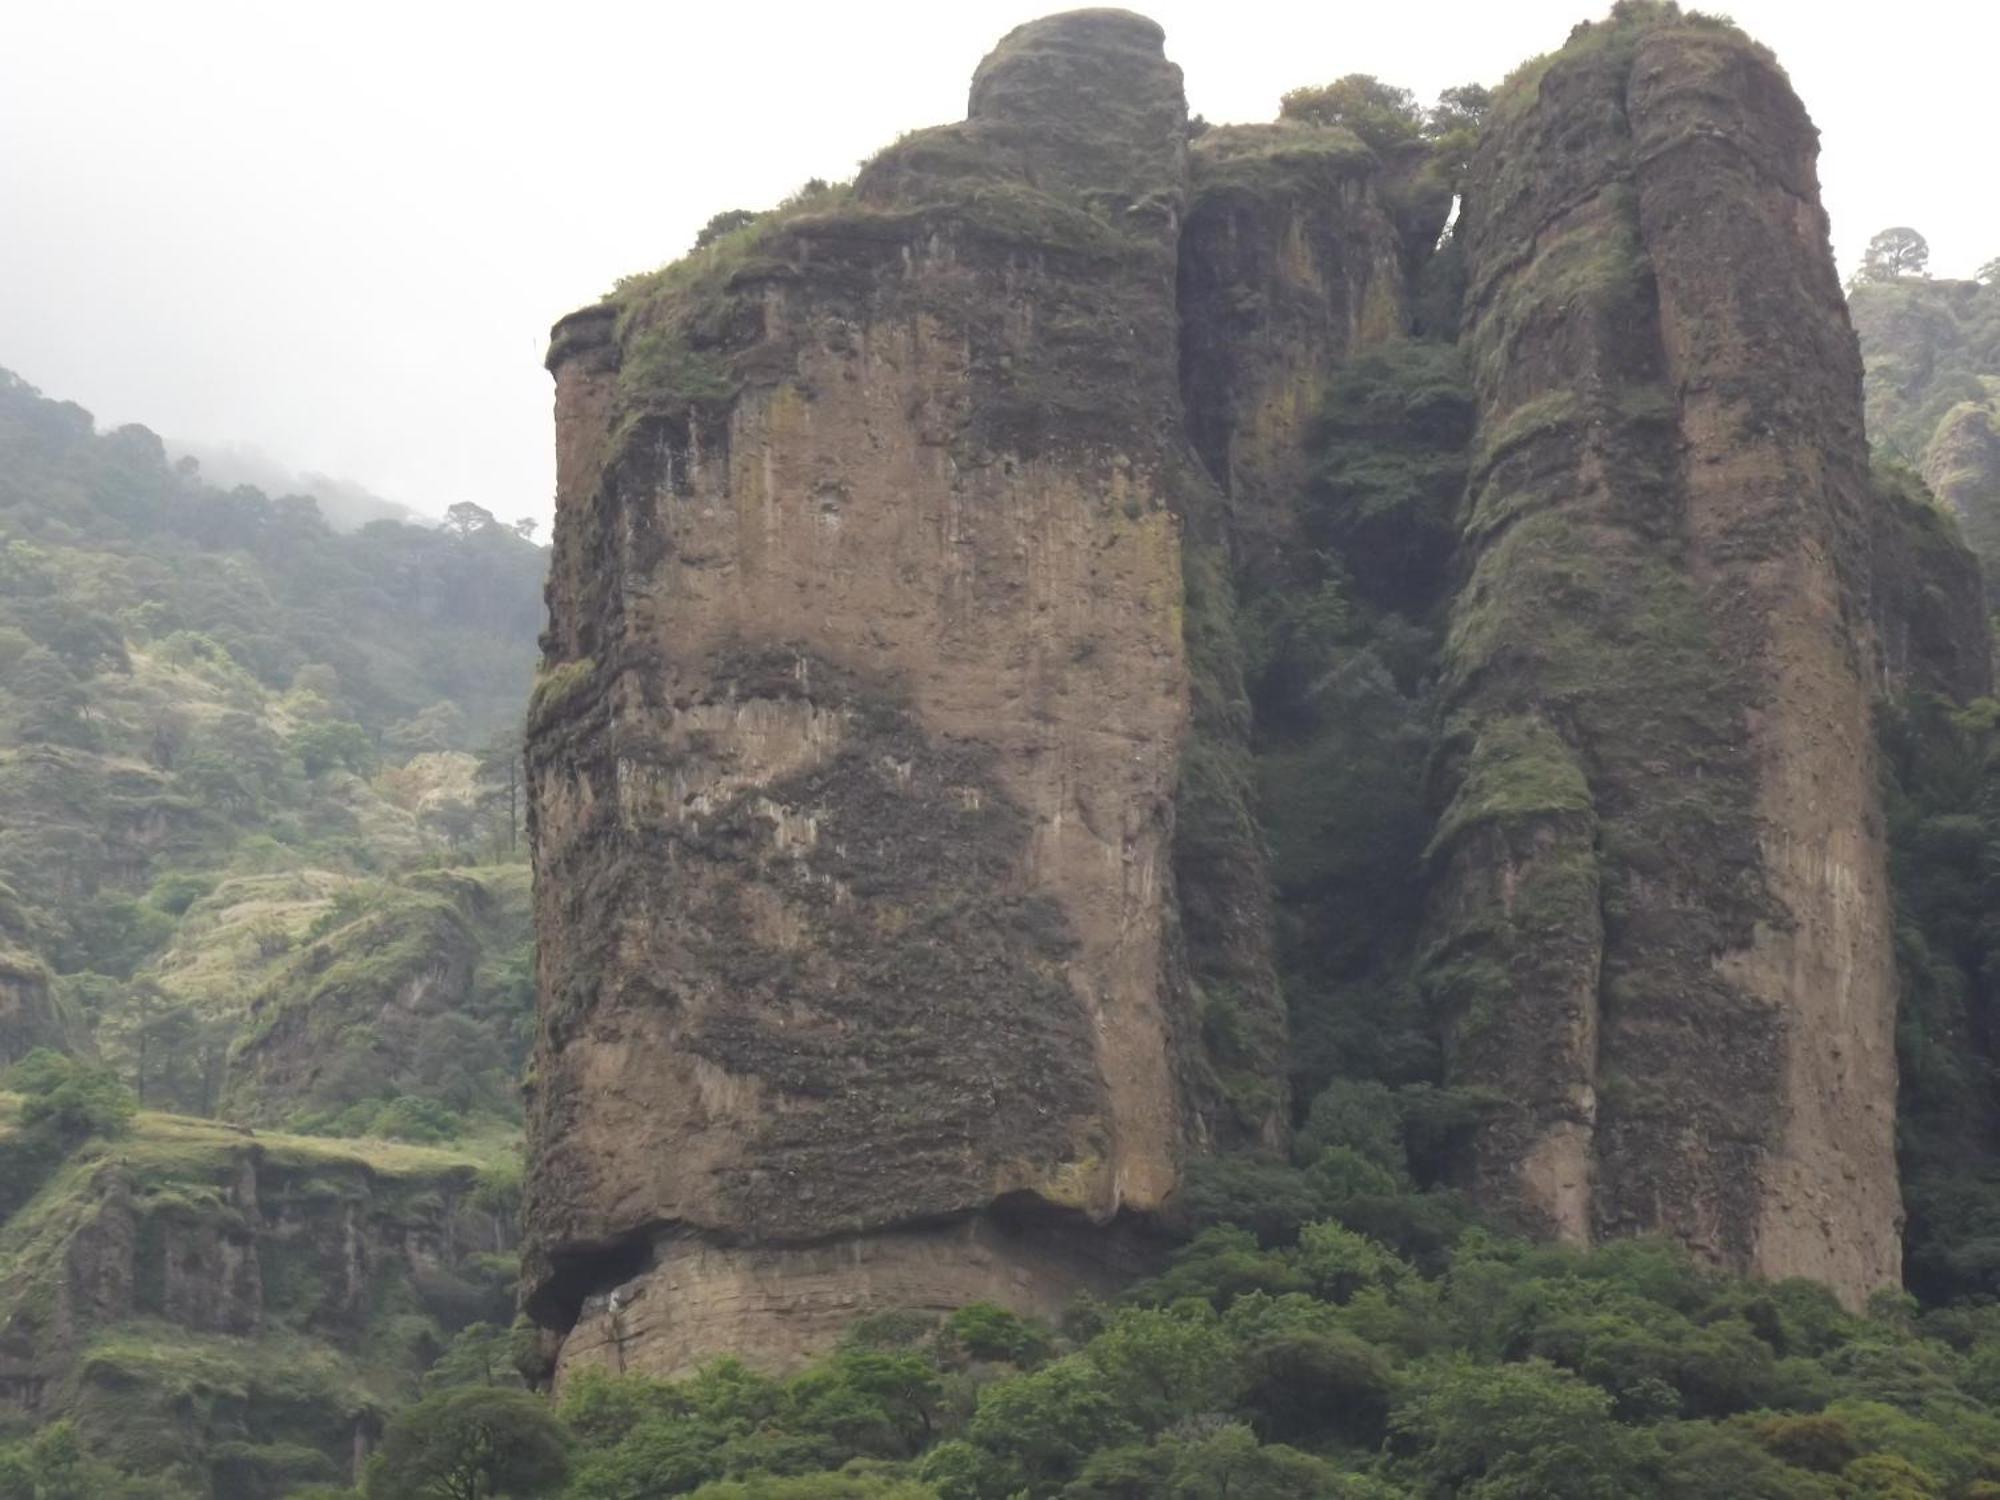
853, 771
191, 1290
1664, 923
905, 926
1962, 466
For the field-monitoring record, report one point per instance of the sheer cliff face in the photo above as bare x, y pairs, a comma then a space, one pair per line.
905, 921
852, 776
1664, 930
1289, 262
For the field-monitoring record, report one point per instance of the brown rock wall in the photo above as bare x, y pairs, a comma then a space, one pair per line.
852, 826
1668, 528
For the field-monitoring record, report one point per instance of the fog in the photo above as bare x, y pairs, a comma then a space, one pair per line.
338, 234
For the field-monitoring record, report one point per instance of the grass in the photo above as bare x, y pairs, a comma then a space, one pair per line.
1520, 769
558, 686
1270, 159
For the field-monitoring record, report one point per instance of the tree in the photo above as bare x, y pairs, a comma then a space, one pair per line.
1524, 1431
1461, 108
1046, 1424
1380, 113
1989, 274
1229, 1464
333, 742
72, 1100
1895, 253
48, 703
1340, 1263
1452, 125
455, 822
474, 1443
726, 222
466, 519
480, 1354
500, 783
442, 726
525, 528
1163, 1365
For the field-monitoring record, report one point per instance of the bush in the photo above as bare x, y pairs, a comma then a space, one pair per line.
74, 1100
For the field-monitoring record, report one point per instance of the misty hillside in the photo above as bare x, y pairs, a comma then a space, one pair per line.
345, 504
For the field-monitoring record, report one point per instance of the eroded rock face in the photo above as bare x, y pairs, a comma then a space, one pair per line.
1962, 467
1289, 262
29, 1015
1664, 929
319, 1263
905, 920
853, 775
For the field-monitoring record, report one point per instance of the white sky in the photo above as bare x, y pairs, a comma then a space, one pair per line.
339, 231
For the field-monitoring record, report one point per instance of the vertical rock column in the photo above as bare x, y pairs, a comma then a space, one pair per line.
853, 758
1775, 468
1662, 924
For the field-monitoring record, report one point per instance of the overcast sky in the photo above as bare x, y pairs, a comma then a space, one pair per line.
339, 232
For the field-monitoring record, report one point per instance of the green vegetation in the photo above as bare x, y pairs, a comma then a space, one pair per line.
250, 864
470, 1444
1380, 114
197, 687
1942, 787
226, 1384
1933, 374
1340, 664
1387, 120
1929, 347
1319, 1361
1932, 353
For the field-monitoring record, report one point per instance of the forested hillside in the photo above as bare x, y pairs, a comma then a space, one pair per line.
260, 835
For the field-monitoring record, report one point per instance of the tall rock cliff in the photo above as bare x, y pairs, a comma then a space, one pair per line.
1663, 920
962, 582
853, 767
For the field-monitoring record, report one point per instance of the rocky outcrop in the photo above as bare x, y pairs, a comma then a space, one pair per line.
1289, 261
29, 1014
1930, 601
853, 766
1662, 923
1961, 464
189, 1289
906, 918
